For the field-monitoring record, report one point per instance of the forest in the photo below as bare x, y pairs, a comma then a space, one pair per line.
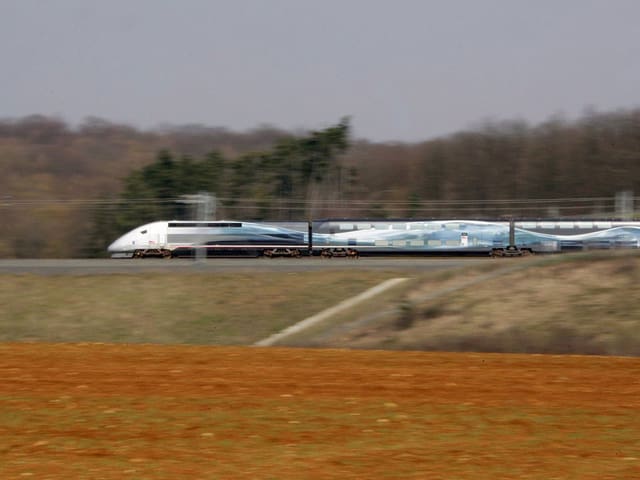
68, 191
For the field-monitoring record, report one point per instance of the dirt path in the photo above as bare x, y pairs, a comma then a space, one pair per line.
160, 412
329, 312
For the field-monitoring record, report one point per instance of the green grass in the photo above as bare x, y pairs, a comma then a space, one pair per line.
584, 303
177, 308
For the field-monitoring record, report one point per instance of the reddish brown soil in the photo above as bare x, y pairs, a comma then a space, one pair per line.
150, 412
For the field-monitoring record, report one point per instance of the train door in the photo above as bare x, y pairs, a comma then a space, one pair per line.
464, 239
161, 237
157, 236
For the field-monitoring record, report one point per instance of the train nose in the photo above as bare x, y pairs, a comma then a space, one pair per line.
114, 247
120, 245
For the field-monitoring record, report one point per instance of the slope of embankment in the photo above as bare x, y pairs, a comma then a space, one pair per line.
587, 303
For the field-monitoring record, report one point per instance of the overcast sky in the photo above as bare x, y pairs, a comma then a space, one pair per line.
404, 70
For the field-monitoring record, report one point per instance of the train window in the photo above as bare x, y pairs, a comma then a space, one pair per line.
143, 232
285, 235
224, 224
183, 225
203, 224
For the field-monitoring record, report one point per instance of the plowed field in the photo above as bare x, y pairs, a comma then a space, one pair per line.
92, 411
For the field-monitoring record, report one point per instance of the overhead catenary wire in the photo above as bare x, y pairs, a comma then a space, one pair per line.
11, 201
570, 206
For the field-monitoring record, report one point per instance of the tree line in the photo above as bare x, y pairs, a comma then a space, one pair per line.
119, 176
265, 185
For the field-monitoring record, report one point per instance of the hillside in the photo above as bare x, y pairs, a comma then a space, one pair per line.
586, 303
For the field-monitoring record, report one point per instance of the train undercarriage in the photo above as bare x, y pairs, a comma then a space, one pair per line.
510, 251
282, 252
213, 252
152, 253
340, 252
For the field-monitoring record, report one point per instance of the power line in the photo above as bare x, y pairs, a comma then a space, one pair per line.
10, 201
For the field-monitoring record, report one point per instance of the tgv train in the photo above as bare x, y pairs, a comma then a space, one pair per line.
213, 238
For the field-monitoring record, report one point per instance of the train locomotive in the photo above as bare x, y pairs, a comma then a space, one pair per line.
236, 238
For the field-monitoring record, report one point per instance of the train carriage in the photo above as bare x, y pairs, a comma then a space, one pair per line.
234, 238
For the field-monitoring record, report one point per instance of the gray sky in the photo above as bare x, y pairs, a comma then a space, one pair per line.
403, 70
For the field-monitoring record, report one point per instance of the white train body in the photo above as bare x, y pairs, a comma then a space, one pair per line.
185, 238
152, 236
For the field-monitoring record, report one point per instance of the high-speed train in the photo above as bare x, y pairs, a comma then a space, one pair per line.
233, 238
186, 238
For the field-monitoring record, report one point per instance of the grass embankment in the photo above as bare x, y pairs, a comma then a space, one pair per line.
169, 308
587, 303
